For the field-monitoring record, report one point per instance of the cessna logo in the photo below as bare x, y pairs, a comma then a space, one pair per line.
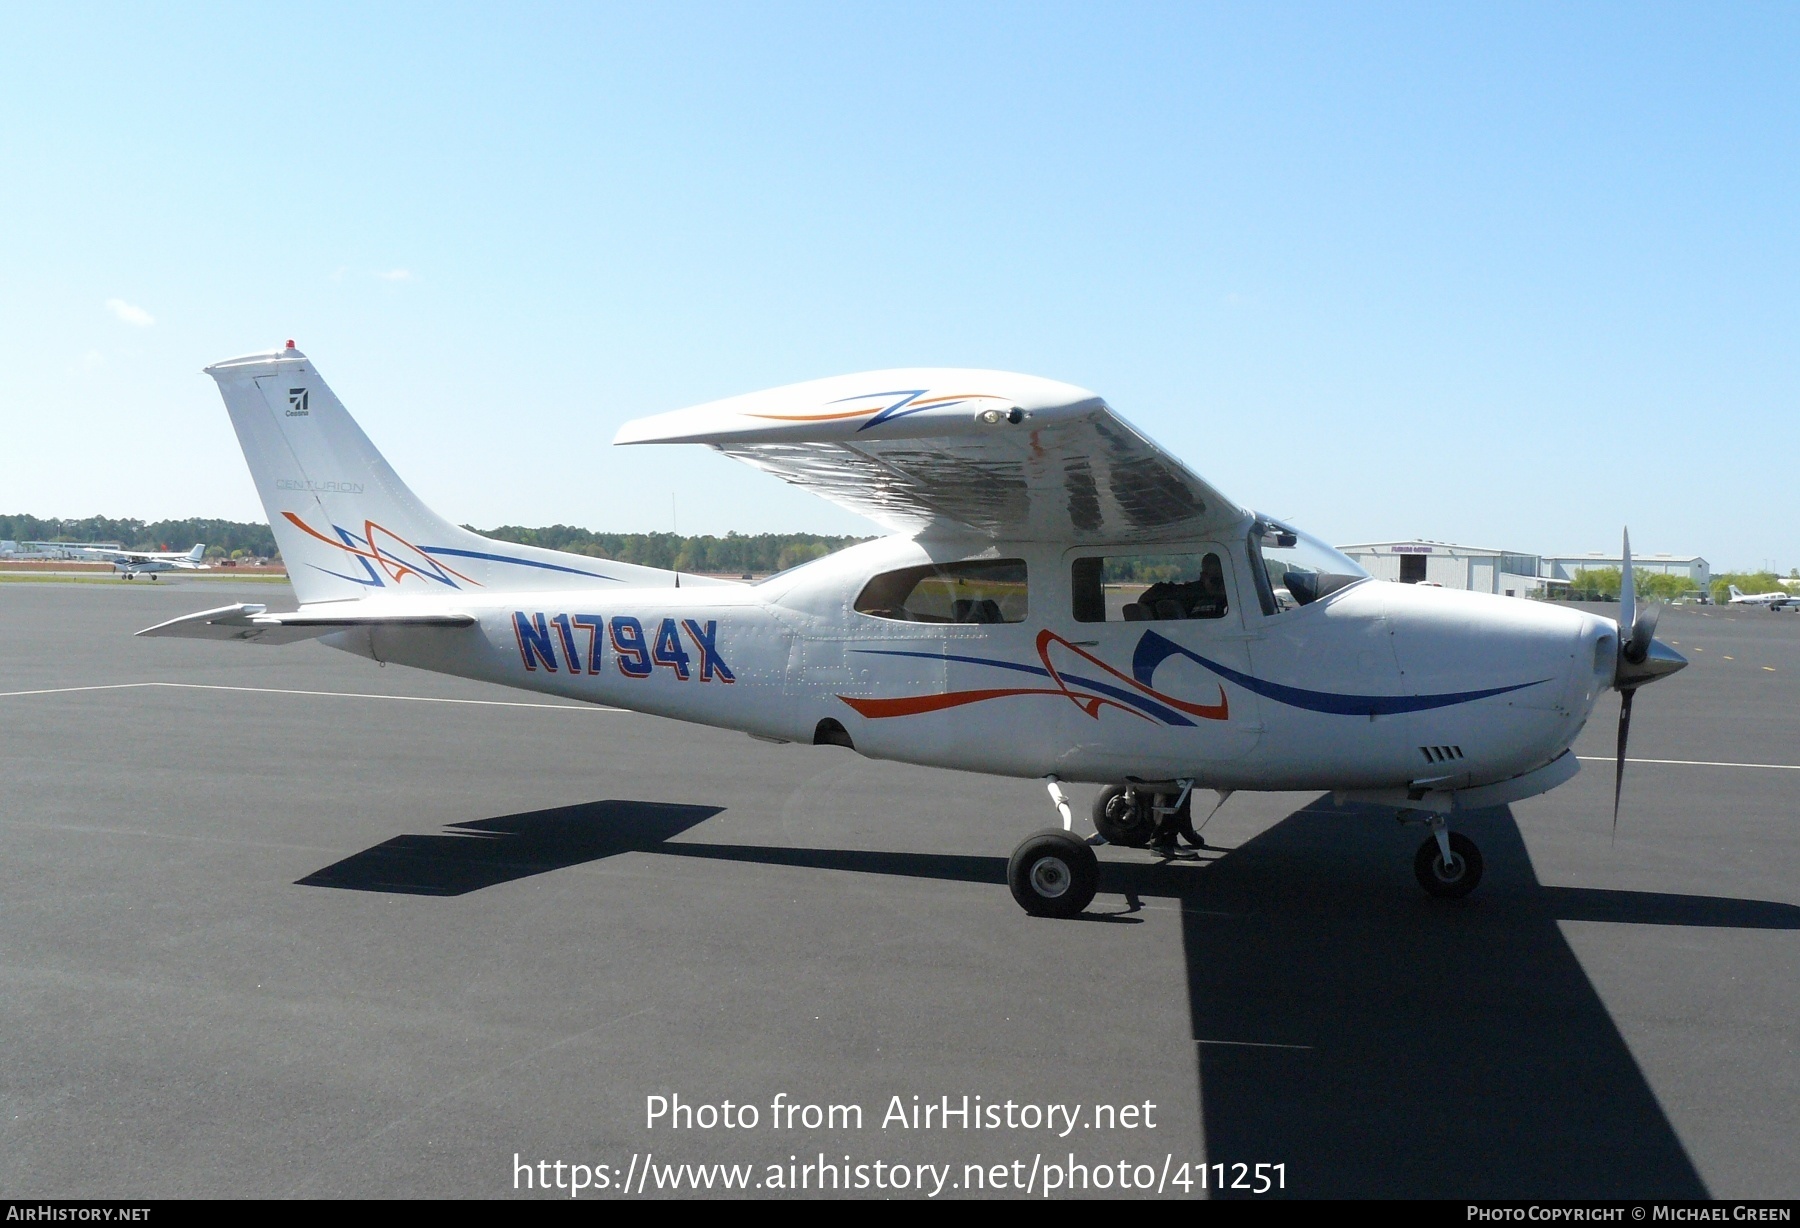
322, 488
297, 399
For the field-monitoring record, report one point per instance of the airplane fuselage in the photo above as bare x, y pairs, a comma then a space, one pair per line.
1376, 686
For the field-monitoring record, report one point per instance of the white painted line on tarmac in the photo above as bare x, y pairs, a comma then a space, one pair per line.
268, 690
1780, 767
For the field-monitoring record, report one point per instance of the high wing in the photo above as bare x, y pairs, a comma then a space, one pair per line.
186, 559
948, 452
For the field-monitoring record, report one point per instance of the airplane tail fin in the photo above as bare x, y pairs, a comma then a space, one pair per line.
197, 553
1735, 590
345, 523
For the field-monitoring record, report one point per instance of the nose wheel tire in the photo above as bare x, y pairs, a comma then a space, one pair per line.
1123, 819
1053, 874
1453, 881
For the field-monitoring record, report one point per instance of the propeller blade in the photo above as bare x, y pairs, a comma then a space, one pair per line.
1619, 772
1643, 632
1641, 660
1627, 592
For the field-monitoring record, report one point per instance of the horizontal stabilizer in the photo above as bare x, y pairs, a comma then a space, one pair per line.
254, 622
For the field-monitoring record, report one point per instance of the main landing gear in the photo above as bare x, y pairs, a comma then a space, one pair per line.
1448, 865
1053, 873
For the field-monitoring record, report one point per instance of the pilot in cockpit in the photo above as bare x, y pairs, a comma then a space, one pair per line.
1201, 598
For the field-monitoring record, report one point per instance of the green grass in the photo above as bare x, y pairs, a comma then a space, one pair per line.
25, 577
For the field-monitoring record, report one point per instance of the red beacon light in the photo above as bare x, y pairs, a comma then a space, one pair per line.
290, 344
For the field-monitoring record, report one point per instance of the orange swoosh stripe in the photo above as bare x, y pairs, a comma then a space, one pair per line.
855, 413
915, 704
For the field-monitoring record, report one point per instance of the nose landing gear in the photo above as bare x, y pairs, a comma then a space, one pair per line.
1448, 865
1140, 818
1124, 817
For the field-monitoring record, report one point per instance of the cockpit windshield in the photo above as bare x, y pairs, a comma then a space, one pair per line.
1291, 568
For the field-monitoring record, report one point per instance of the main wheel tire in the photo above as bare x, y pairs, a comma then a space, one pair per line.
1450, 882
1053, 874
1123, 821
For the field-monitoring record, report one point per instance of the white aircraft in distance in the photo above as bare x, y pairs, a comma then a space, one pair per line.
134, 563
1061, 600
1774, 601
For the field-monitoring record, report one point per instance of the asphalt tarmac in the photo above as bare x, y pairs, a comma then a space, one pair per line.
276, 921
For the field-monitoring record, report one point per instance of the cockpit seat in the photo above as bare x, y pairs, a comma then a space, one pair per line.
975, 610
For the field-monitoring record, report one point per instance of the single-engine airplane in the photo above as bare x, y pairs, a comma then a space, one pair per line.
141, 562
1061, 599
126, 562
1773, 602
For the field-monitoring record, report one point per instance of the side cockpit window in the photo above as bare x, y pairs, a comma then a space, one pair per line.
1149, 587
980, 591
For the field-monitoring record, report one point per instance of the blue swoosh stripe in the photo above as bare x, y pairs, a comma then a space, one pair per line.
1039, 670
501, 558
340, 575
1153, 649
1168, 715
1112, 692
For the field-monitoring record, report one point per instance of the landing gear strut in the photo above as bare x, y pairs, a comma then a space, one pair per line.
1448, 865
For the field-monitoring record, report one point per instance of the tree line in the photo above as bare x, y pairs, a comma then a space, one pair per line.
732, 554
223, 538
1605, 584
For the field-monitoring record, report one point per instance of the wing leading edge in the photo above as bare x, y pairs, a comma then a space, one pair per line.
940, 452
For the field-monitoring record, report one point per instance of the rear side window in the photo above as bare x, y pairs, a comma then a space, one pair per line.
1149, 587
982, 591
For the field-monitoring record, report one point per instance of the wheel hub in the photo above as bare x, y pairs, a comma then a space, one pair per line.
1050, 877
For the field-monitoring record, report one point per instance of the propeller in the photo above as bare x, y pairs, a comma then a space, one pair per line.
1641, 660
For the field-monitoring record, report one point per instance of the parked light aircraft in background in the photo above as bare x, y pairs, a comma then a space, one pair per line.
1774, 601
1061, 599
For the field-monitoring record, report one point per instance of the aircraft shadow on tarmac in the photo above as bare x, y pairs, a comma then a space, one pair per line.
1373, 1040
469, 856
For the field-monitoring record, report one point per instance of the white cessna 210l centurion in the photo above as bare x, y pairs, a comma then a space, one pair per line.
1062, 599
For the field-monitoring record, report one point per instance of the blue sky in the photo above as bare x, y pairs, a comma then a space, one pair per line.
1510, 275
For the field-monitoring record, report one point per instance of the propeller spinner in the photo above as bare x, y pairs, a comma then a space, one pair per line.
1642, 659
